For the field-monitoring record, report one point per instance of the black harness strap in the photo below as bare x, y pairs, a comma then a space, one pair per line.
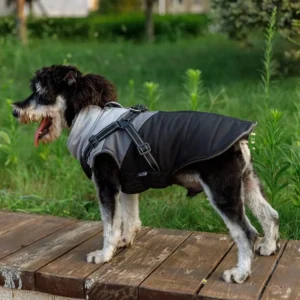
143, 148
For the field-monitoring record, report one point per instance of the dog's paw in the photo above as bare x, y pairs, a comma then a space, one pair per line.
124, 242
235, 275
137, 227
267, 249
98, 257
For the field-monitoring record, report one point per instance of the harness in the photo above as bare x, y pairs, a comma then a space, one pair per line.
124, 123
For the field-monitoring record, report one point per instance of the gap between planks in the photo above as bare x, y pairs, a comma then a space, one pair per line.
214, 269
171, 253
274, 269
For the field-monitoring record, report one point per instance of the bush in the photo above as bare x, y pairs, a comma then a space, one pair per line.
237, 18
129, 27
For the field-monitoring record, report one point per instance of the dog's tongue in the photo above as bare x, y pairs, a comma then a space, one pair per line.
42, 125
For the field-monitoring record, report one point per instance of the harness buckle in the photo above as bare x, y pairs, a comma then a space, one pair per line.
123, 123
144, 148
139, 108
93, 141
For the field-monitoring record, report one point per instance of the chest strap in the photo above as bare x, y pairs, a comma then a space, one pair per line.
143, 148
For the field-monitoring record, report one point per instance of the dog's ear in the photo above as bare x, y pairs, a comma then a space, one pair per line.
66, 74
70, 78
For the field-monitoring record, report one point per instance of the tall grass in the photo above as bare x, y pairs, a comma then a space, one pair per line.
222, 78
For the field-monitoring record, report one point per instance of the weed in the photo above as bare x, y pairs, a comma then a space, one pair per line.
152, 94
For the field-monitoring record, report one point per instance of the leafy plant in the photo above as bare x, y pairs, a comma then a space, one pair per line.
152, 94
8, 139
270, 160
294, 157
268, 62
194, 88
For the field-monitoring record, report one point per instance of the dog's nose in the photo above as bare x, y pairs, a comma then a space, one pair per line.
15, 113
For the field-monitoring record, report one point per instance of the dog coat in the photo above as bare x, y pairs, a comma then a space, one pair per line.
176, 139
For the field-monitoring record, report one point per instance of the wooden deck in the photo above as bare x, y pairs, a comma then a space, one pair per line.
42, 257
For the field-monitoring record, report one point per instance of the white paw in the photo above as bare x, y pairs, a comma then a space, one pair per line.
137, 227
96, 257
235, 275
124, 242
267, 249
99, 256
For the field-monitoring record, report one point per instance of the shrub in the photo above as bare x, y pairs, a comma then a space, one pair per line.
237, 18
129, 27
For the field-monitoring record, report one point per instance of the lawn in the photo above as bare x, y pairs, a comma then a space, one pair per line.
48, 180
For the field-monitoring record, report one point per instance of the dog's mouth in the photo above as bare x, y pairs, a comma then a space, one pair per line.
42, 130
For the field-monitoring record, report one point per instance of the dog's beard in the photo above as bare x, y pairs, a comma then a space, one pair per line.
51, 118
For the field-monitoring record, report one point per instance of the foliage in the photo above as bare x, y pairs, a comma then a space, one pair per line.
270, 161
268, 62
152, 94
294, 158
128, 27
272, 164
194, 88
237, 18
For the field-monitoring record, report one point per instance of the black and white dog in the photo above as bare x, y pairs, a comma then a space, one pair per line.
126, 151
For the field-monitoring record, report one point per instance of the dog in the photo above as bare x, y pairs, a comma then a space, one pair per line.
63, 97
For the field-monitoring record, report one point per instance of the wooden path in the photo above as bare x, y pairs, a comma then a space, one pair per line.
42, 257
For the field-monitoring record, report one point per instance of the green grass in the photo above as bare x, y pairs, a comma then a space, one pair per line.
48, 180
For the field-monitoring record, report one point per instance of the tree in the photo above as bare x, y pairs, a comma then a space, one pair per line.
149, 24
21, 21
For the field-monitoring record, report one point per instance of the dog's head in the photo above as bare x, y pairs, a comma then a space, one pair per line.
59, 93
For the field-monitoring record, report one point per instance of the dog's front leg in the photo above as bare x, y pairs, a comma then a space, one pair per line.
108, 193
131, 219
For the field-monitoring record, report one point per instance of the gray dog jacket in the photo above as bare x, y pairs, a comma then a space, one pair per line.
177, 139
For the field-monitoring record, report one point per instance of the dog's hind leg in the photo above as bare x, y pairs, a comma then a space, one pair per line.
130, 217
227, 201
266, 215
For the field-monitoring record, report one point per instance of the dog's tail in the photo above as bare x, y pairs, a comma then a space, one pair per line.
246, 153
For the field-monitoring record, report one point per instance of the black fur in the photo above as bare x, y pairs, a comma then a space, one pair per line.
107, 177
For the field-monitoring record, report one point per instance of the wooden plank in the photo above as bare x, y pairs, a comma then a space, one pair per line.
262, 267
30, 232
33, 295
30, 295
18, 270
285, 281
5, 294
65, 298
11, 220
67, 273
120, 278
180, 276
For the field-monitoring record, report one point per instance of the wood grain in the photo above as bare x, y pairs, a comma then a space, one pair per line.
120, 278
30, 232
262, 267
11, 220
18, 270
180, 276
285, 282
65, 276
